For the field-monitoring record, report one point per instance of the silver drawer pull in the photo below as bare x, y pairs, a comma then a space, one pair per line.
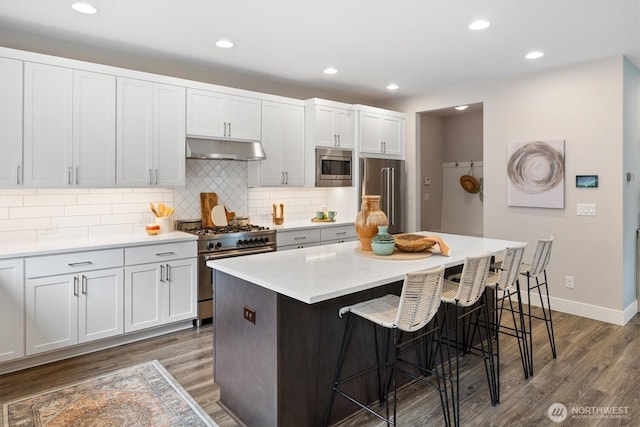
166, 253
340, 233
79, 264
300, 238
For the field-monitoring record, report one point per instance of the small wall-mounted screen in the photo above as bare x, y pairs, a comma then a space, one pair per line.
587, 181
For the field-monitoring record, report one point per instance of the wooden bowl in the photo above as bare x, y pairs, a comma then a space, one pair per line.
412, 242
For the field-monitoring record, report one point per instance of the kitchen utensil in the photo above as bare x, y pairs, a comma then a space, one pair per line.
153, 209
219, 215
207, 202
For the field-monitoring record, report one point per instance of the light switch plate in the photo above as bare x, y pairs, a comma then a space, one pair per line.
586, 209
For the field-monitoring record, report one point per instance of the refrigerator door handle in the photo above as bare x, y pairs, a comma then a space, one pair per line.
387, 194
392, 195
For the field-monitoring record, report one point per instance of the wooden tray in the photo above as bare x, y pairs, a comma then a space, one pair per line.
397, 255
322, 220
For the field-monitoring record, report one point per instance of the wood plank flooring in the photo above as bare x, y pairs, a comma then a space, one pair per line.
598, 366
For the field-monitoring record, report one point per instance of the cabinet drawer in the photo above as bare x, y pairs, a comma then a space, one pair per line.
160, 253
76, 262
297, 237
342, 232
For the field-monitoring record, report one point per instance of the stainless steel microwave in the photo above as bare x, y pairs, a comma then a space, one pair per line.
334, 168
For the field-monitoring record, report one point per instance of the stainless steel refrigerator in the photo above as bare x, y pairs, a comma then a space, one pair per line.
384, 177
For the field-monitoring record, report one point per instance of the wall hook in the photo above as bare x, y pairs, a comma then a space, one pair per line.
456, 163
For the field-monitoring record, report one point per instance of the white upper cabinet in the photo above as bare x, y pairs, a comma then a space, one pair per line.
283, 143
48, 102
329, 124
150, 134
10, 122
94, 129
380, 133
69, 127
223, 116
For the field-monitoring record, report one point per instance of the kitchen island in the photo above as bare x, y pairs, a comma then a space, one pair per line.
277, 332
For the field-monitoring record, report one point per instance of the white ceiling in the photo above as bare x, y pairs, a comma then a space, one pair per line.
421, 45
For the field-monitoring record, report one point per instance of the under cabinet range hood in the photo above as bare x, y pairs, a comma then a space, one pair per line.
218, 149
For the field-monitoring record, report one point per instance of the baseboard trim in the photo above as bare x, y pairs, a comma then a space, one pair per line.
90, 347
590, 311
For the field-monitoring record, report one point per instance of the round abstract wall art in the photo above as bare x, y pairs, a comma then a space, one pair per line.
535, 172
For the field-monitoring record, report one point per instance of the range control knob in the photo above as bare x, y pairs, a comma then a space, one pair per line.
218, 245
210, 245
266, 240
239, 242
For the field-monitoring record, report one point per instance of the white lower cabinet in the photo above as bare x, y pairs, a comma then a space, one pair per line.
11, 309
317, 236
70, 309
157, 293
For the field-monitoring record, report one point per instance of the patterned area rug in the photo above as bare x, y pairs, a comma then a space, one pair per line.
142, 395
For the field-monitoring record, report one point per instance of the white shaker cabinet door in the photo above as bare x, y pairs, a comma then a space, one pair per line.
11, 309
94, 129
244, 118
343, 128
143, 297
101, 304
48, 100
294, 145
134, 134
51, 313
392, 134
205, 113
181, 286
10, 123
169, 136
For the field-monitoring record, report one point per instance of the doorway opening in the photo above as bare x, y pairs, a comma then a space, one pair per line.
451, 146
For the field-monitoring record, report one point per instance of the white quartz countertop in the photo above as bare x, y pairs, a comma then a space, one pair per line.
321, 273
302, 224
52, 246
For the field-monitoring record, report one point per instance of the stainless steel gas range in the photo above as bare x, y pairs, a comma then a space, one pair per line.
223, 242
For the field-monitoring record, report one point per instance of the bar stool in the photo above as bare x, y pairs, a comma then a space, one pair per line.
469, 299
537, 270
505, 285
412, 311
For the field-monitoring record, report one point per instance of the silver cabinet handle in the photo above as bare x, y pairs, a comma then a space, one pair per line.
156, 177
75, 286
229, 130
161, 273
69, 175
84, 284
79, 264
18, 175
165, 253
225, 129
338, 140
168, 276
286, 174
281, 177
300, 238
150, 176
340, 233
77, 177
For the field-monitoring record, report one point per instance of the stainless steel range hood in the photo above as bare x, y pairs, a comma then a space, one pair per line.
218, 149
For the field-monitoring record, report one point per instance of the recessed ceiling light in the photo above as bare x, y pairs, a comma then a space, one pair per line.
84, 8
392, 86
534, 55
330, 70
225, 44
461, 107
480, 24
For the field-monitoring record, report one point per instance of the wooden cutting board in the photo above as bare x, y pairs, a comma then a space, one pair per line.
207, 202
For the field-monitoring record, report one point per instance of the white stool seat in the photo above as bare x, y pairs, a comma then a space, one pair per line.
382, 311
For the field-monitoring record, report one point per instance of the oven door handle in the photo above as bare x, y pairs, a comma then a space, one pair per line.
229, 254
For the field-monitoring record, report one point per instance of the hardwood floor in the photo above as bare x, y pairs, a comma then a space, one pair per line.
598, 368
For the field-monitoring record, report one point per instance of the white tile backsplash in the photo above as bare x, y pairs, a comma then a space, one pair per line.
87, 212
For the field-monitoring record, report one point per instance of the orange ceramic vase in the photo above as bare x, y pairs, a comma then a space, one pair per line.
368, 220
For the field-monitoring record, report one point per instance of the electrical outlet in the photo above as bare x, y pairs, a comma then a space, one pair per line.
568, 282
249, 315
49, 229
427, 181
426, 197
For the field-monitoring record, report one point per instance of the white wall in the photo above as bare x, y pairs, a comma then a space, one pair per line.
631, 165
583, 105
